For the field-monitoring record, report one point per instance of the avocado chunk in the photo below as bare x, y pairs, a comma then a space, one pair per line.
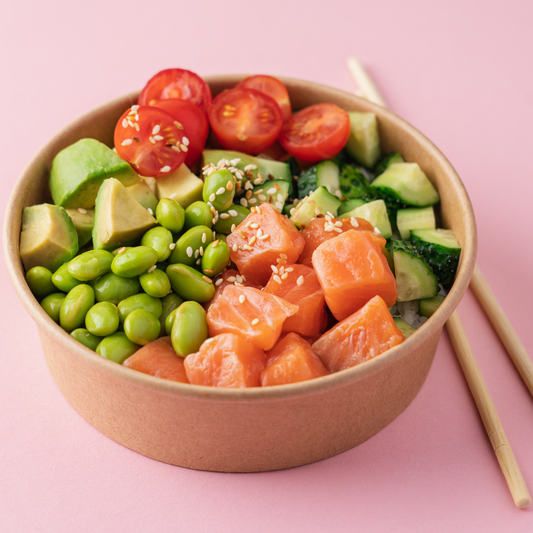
79, 170
48, 237
83, 220
363, 143
119, 220
181, 186
144, 195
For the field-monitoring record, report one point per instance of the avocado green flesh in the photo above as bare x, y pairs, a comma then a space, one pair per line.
404, 327
48, 237
144, 195
119, 220
83, 223
181, 186
79, 170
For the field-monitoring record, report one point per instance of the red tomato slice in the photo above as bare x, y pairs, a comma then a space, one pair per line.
176, 83
316, 132
194, 121
273, 88
245, 120
151, 140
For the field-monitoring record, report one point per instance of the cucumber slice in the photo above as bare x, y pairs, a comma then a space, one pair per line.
325, 174
307, 182
363, 143
348, 205
376, 213
440, 249
428, 306
413, 276
405, 184
354, 184
317, 203
386, 161
274, 192
414, 218
403, 326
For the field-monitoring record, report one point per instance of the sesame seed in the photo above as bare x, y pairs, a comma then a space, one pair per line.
232, 213
242, 235
126, 142
166, 168
244, 202
311, 202
223, 216
250, 167
179, 125
235, 248
208, 271
185, 141
212, 197
281, 261
255, 225
156, 130
158, 137
218, 281
189, 251
134, 108
175, 148
253, 200
238, 278
122, 250
279, 205
258, 192
248, 186
248, 194
338, 224
354, 223
252, 241
130, 123
232, 228
215, 243
229, 186
264, 237
151, 269
201, 251
330, 215
220, 191
82, 211
300, 280
124, 123
289, 269
338, 230
230, 279
376, 230
258, 181
276, 278
329, 228
262, 197
247, 247
272, 190
280, 198
151, 139
183, 148
281, 269
242, 298
209, 280
274, 269
173, 195
150, 211
255, 321
317, 211
199, 261
172, 245
285, 276
196, 254
235, 162
136, 126
259, 233
283, 256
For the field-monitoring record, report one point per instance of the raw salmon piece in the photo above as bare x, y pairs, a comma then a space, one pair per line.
351, 270
360, 337
315, 234
256, 315
299, 285
264, 238
158, 359
229, 277
290, 361
226, 360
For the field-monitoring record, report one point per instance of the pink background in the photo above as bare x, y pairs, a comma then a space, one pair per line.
460, 71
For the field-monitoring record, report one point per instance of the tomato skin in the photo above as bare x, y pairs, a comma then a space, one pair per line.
316, 132
194, 121
150, 140
245, 120
177, 83
272, 87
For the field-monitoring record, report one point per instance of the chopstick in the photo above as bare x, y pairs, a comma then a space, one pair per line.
464, 354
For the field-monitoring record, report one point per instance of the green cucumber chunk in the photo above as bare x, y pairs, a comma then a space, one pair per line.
349, 205
414, 218
319, 202
273, 192
403, 326
428, 306
376, 213
363, 144
354, 184
386, 161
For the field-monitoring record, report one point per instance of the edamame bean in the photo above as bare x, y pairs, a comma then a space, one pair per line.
102, 319
139, 301
215, 258
219, 189
230, 218
189, 329
63, 280
169, 303
191, 245
155, 283
75, 306
114, 289
86, 338
52, 304
198, 214
90, 265
117, 347
169, 322
190, 284
222, 237
134, 261
160, 240
39, 280
170, 215
141, 327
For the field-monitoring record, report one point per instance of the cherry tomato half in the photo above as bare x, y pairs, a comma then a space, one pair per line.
151, 140
194, 121
316, 132
273, 88
245, 120
176, 83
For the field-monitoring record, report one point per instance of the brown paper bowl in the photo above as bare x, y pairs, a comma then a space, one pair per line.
255, 429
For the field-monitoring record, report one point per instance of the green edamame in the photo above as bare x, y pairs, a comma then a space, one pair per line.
222, 237
86, 338
229, 219
155, 283
114, 289
139, 301
102, 319
215, 258
75, 306
117, 347
134, 261
169, 322
189, 329
90, 265
63, 280
170, 215
191, 245
198, 214
169, 303
160, 239
52, 305
39, 280
141, 327
190, 284
219, 189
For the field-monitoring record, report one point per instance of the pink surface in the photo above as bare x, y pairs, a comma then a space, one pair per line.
458, 71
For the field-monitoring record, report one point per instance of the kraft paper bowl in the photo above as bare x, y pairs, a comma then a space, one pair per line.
253, 429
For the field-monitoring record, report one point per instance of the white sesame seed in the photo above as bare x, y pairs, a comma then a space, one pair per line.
276, 278
259, 233
158, 137
354, 223
232, 213
255, 321
82, 211
258, 192
126, 142
279, 205
175, 148
235, 162
242, 298
189, 251
173, 195
223, 216
183, 148
283, 256
212, 197
253, 200
285, 276
196, 253
230, 279
130, 123
329, 228
300, 280
258, 181
204, 237
248, 186
262, 197
338, 224
229, 186
239, 278
156, 129
376, 230
289, 269
244, 202
338, 230
199, 261
272, 190
264, 237
220, 191
166, 168
151, 269
134, 108
232, 228
280, 198
150, 211
122, 250
247, 247
201, 251
252, 240
281, 269
172, 245
136, 126
151, 139
250, 167
254, 225
330, 215
124, 123
185, 141
218, 281
317, 211
214, 235
235, 248
274, 269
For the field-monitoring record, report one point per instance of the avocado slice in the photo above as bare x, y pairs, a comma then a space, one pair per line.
143, 194
119, 220
181, 185
48, 237
79, 170
83, 220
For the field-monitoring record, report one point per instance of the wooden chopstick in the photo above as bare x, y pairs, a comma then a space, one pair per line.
464, 354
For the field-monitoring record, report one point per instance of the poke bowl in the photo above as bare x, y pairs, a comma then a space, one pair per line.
250, 429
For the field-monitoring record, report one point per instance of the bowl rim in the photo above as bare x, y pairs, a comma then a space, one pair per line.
205, 393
